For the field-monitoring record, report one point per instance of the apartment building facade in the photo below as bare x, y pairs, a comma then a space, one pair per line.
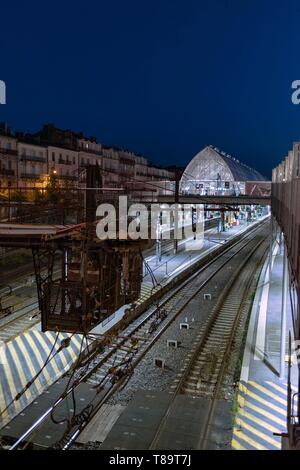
28, 161
8, 157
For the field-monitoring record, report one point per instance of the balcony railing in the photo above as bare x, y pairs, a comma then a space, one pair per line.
64, 162
33, 158
5, 172
69, 177
94, 152
30, 176
127, 161
8, 151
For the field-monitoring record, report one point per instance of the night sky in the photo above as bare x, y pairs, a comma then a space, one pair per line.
163, 78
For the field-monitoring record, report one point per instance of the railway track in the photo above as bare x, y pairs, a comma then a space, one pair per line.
205, 369
24, 318
24, 311
108, 371
24, 314
143, 332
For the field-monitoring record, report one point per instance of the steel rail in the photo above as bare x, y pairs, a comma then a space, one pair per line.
204, 337
248, 236
149, 345
212, 406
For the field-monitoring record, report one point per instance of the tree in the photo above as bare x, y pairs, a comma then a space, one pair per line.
52, 188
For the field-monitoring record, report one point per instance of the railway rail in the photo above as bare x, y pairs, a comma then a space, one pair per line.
20, 310
21, 315
19, 321
204, 371
109, 370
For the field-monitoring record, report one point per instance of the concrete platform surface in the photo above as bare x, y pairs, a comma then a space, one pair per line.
262, 395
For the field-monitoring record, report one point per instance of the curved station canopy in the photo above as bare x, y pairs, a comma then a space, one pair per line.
214, 172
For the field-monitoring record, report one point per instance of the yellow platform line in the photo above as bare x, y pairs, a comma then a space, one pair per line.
236, 445
264, 413
264, 390
241, 435
37, 344
266, 403
42, 341
284, 391
30, 365
4, 402
23, 379
75, 344
260, 434
243, 387
44, 345
61, 355
256, 420
10, 380
76, 340
277, 387
45, 375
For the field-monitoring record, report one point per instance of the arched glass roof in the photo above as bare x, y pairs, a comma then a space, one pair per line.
211, 164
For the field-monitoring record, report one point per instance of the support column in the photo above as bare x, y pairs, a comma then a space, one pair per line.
175, 242
285, 276
158, 238
271, 247
223, 220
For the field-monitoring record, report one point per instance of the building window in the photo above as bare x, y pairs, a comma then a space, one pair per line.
53, 156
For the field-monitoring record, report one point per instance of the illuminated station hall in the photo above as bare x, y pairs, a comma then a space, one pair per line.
164, 342
214, 172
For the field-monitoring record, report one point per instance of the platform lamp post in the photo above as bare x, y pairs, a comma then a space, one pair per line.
285, 276
158, 238
271, 246
176, 214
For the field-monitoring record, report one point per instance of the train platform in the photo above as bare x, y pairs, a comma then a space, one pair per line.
262, 395
24, 356
138, 426
170, 265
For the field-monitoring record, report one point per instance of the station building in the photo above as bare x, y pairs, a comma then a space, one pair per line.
214, 172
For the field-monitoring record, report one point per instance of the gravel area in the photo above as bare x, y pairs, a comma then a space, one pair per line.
146, 375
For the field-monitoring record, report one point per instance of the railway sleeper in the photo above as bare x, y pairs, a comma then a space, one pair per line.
198, 366
198, 382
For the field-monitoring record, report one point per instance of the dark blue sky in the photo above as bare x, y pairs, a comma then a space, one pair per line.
160, 77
